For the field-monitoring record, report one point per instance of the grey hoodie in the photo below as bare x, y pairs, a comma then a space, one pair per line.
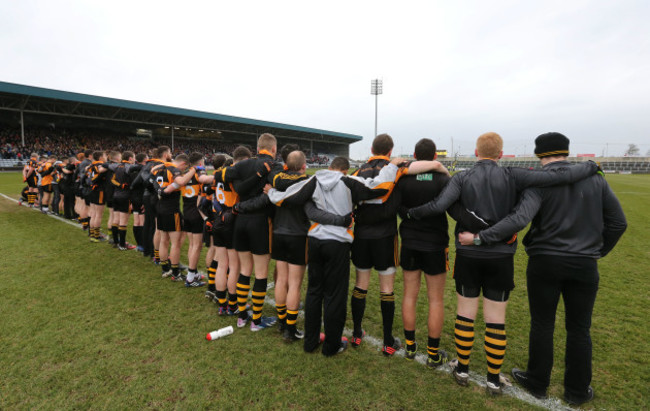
336, 193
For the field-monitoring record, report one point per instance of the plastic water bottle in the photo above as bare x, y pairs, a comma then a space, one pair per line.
220, 333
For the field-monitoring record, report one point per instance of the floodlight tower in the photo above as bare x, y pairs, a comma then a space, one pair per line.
376, 88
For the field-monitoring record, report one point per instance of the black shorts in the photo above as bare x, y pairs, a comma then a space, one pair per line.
121, 205
47, 188
32, 181
223, 229
193, 222
137, 206
380, 253
430, 262
109, 203
290, 248
97, 197
169, 222
252, 233
494, 276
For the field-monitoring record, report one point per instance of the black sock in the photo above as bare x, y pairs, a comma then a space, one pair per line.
137, 233
432, 348
165, 266
409, 336
122, 234
115, 232
175, 270
358, 305
387, 316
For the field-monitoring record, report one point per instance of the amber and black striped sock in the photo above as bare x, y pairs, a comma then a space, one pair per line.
221, 298
212, 272
433, 344
464, 336
387, 316
175, 270
358, 306
495, 349
232, 302
243, 287
156, 255
282, 312
409, 336
122, 234
259, 292
292, 318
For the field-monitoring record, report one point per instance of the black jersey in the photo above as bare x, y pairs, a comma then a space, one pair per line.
95, 177
430, 233
191, 192
164, 176
121, 180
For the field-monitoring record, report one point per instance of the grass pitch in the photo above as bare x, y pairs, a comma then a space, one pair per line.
86, 326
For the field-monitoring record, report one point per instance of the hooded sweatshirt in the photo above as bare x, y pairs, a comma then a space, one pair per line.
336, 193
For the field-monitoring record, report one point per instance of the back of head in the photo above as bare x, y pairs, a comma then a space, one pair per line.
164, 151
425, 149
241, 153
182, 158
218, 161
127, 155
34, 155
266, 142
489, 145
154, 153
115, 155
97, 155
81, 156
196, 158
88, 153
139, 158
286, 149
382, 145
551, 145
296, 160
340, 164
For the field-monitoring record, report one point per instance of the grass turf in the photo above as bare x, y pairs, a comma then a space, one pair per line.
85, 326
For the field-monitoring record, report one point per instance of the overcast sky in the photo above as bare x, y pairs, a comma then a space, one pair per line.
450, 69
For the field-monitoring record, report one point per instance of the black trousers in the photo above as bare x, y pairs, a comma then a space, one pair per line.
68, 200
56, 198
327, 293
576, 280
149, 226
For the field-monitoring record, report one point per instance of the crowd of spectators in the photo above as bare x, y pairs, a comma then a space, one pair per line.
321, 160
64, 143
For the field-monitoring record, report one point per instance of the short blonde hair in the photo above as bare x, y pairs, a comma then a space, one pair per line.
489, 145
266, 142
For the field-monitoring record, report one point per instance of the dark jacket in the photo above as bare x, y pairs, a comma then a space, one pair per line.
491, 192
583, 219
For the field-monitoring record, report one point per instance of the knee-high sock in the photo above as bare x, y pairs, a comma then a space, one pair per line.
259, 292
232, 302
212, 272
464, 336
122, 235
433, 344
358, 305
495, 349
137, 234
243, 286
387, 316
282, 312
292, 318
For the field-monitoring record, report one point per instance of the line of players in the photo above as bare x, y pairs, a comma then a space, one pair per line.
252, 209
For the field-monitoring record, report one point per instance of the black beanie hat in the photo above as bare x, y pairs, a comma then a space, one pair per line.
551, 144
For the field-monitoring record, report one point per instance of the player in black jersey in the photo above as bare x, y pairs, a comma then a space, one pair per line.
114, 158
81, 206
121, 181
424, 249
96, 176
168, 180
252, 232
30, 177
192, 220
137, 205
375, 246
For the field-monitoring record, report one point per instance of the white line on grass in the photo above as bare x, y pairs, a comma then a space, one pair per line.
550, 403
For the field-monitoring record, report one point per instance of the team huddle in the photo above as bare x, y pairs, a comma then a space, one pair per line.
252, 209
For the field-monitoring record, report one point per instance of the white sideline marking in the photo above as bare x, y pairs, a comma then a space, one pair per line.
550, 403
